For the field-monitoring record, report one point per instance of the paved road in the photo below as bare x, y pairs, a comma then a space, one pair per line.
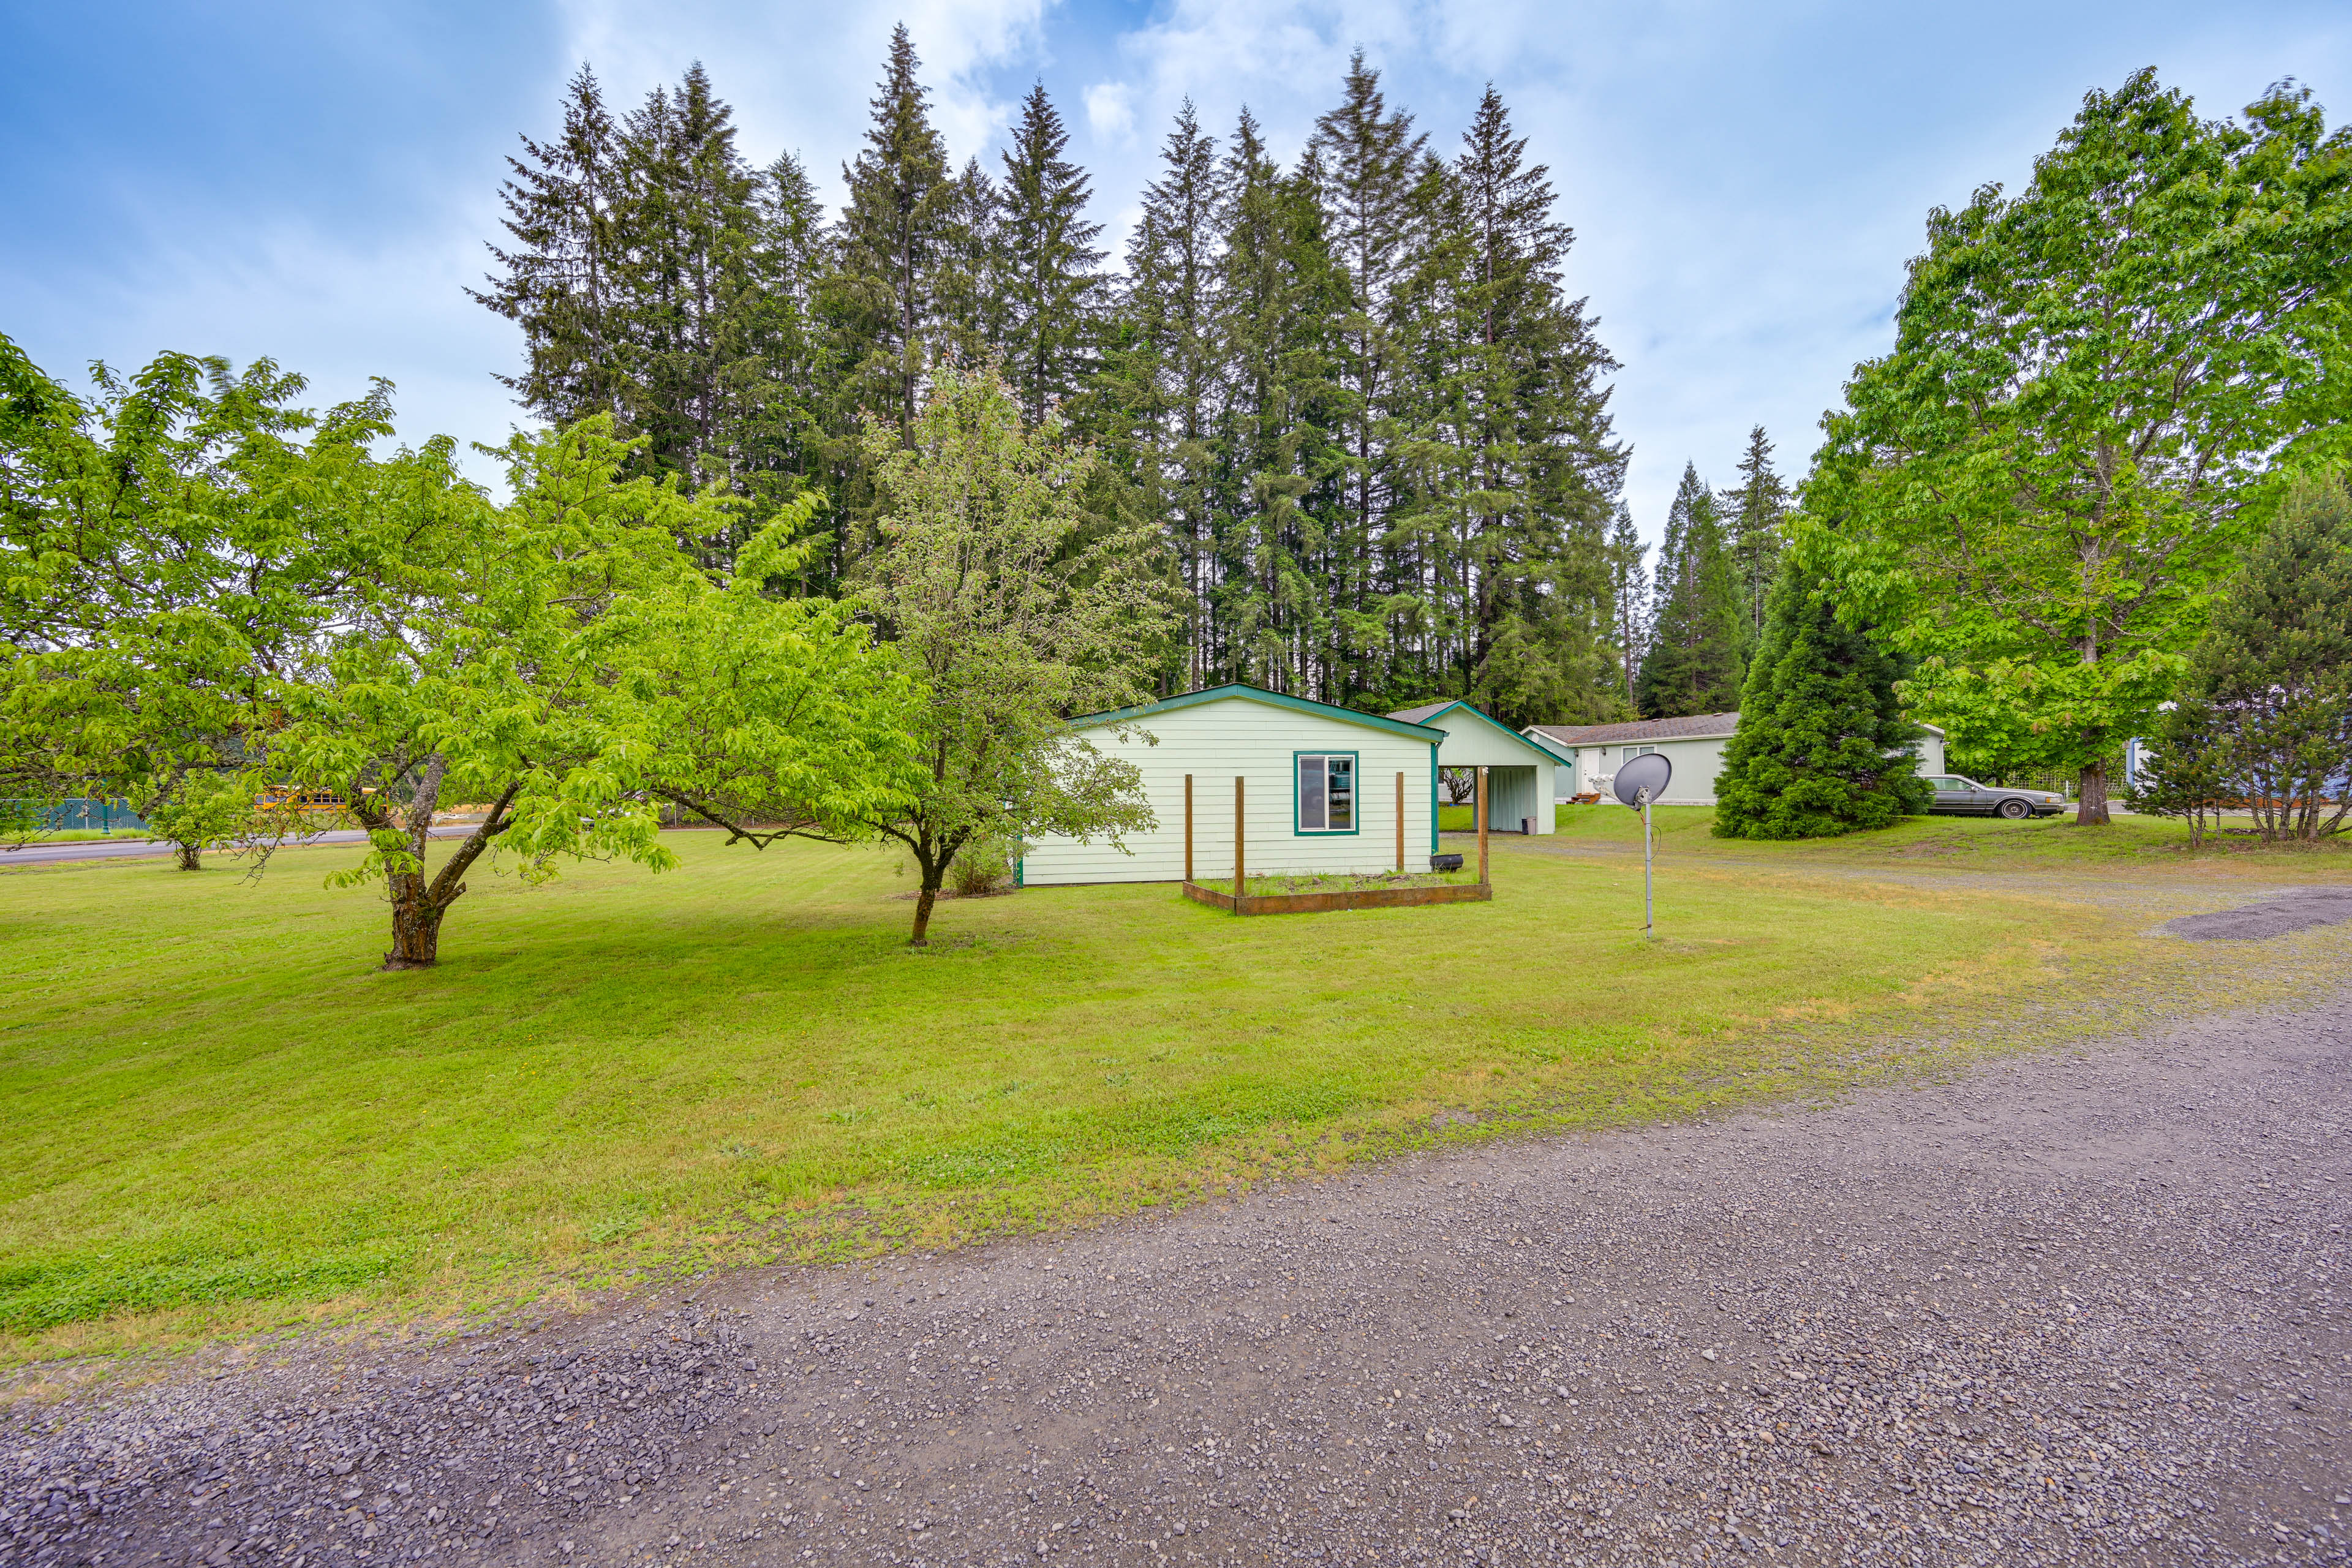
127, 848
2085, 1309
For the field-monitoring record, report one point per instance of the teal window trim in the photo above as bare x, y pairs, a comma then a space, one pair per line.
1356, 775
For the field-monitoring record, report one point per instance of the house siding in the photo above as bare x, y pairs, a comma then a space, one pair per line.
1214, 741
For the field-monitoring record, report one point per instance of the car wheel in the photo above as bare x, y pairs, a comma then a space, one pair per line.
2016, 810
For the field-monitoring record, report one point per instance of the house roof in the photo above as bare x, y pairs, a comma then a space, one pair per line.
1270, 699
1426, 710
1690, 727
1430, 710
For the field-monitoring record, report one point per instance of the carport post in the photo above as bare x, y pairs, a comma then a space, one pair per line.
1482, 826
1188, 827
1238, 844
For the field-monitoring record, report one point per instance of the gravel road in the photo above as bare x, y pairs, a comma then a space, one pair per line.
39, 853
2088, 1308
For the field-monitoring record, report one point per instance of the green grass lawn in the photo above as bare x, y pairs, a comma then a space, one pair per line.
1967, 843
220, 1116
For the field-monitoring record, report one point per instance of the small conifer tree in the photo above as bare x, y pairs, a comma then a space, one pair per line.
2263, 721
1822, 746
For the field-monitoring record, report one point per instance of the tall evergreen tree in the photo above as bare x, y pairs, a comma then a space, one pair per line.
1629, 599
1353, 396
1822, 746
1759, 508
1504, 471
1276, 449
1047, 261
1156, 402
660, 278
1367, 167
687, 271
562, 199
1692, 665
903, 219
968, 304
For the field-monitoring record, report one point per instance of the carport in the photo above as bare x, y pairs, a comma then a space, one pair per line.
1519, 771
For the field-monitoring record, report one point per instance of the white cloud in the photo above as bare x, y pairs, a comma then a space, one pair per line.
800, 75
1108, 115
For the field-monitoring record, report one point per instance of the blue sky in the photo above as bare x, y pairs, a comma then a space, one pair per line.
314, 183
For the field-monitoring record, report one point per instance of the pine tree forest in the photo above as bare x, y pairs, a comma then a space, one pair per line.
1350, 396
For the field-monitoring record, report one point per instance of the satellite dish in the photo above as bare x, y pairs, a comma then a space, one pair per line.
1650, 772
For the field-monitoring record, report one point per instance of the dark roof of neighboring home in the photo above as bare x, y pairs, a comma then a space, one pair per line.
1415, 715
1690, 727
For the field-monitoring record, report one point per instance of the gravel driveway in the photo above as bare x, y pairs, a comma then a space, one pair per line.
2088, 1308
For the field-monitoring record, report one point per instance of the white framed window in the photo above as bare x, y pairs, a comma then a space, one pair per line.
1324, 795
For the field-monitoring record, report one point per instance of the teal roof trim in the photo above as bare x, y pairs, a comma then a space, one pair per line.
1432, 716
1271, 699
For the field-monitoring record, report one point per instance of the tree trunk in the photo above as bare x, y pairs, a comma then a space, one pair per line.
2091, 811
190, 856
415, 923
923, 902
932, 857
419, 902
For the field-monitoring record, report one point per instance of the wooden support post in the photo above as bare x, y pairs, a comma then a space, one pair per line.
1399, 825
1482, 827
1188, 827
1238, 844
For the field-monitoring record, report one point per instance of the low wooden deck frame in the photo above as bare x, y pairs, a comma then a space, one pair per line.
1348, 899
1478, 892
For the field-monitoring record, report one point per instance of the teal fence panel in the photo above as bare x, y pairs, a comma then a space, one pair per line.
94, 815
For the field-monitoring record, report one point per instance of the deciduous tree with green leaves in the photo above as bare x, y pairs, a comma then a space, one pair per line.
1014, 615
2040, 491
160, 565
472, 668
771, 718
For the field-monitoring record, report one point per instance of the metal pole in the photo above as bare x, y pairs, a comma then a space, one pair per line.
1649, 910
1188, 827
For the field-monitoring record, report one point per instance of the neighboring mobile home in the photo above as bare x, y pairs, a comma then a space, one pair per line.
1325, 790
1519, 788
1591, 753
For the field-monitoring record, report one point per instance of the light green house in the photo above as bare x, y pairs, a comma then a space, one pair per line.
1325, 790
